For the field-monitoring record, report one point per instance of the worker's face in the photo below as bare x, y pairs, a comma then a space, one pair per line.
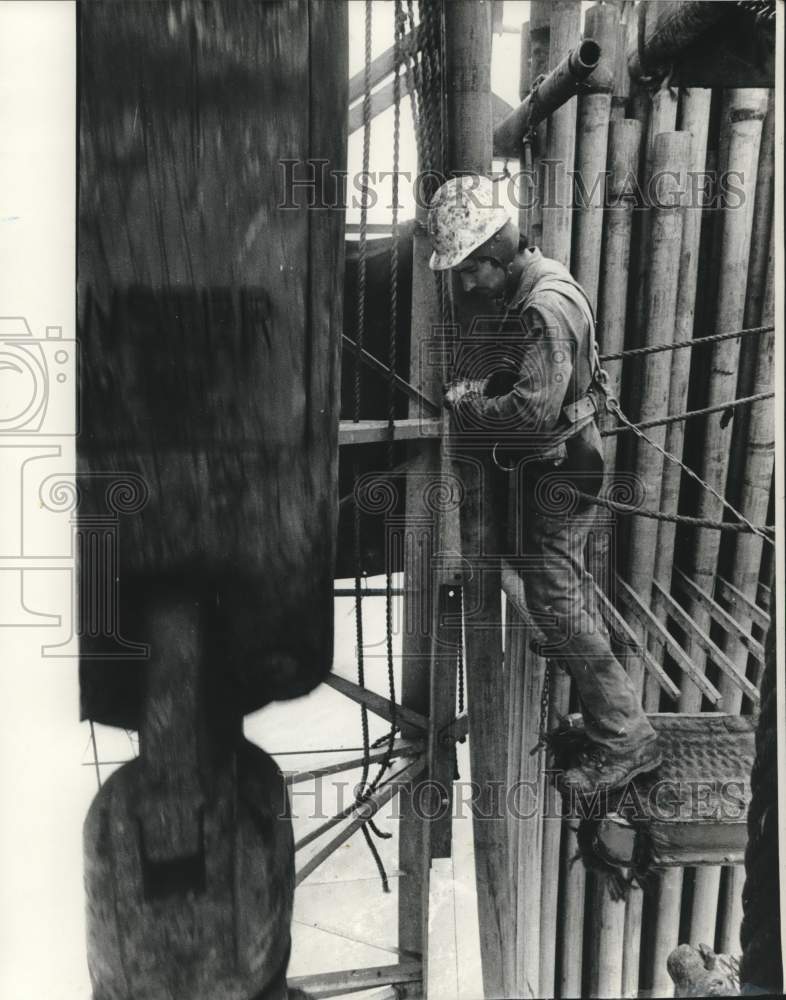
481, 276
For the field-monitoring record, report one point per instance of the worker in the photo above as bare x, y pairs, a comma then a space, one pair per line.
546, 415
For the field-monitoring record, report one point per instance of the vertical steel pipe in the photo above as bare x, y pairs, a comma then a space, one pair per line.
539, 34
666, 189
626, 33
741, 132
624, 147
694, 119
670, 160
561, 139
527, 188
602, 21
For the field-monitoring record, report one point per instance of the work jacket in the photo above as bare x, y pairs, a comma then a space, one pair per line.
534, 404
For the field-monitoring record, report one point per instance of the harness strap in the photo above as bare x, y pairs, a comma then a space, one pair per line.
583, 411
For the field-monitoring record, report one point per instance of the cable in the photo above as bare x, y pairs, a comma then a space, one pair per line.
680, 344
696, 522
719, 408
756, 530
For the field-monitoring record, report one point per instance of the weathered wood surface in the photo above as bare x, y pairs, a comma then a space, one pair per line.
210, 321
232, 938
469, 132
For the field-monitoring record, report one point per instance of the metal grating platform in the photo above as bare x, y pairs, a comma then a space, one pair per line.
693, 809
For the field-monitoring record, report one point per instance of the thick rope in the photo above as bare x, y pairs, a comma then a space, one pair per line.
754, 529
430, 73
766, 531
383, 875
414, 78
719, 408
681, 344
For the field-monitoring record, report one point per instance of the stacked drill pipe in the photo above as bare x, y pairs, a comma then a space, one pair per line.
754, 454
624, 142
527, 186
662, 118
539, 33
561, 138
671, 153
694, 120
670, 160
759, 268
695, 116
594, 110
740, 141
655, 106
741, 130
622, 84
564, 33
560, 691
754, 502
624, 147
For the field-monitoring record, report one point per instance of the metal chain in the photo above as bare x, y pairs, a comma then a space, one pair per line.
545, 696
361, 327
460, 654
361, 670
398, 33
364, 199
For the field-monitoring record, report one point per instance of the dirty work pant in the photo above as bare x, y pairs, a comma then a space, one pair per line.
561, 597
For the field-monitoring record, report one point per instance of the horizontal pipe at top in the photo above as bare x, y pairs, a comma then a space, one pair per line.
554, 90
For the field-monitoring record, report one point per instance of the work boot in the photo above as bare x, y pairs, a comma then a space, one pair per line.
599, 766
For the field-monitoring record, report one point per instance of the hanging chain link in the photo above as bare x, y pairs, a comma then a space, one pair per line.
543, 722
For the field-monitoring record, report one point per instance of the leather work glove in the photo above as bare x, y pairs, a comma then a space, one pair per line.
454, 392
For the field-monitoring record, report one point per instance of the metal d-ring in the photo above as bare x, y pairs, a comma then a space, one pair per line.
499, 465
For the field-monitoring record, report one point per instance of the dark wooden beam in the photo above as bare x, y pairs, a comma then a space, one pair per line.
376, 703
